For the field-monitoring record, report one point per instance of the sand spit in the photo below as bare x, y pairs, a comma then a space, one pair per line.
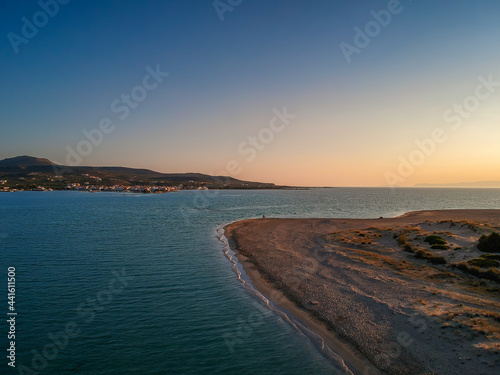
380, 295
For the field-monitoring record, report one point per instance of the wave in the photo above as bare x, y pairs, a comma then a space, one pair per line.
298, 325
251, 208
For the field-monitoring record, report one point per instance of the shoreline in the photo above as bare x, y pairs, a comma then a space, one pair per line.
351, 359
255, 241
329, 345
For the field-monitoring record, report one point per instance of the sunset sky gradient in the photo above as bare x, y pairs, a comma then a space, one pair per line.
354, 121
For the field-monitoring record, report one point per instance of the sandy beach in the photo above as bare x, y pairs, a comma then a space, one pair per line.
381, 295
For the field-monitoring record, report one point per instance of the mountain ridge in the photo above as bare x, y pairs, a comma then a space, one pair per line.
28, 170
25, 161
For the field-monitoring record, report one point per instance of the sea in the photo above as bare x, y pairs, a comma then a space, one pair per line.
113, 283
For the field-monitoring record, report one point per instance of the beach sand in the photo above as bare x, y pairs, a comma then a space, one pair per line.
380, 307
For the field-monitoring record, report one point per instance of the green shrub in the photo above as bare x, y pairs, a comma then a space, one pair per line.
472, 228
491, 256
437, 260
409, 248
440, 247
489, 274
422, 254
490, 243
483, 263
435, 240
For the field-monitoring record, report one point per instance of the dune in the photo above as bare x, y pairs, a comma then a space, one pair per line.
383, 298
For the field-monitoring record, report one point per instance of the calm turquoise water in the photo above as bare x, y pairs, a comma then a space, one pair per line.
177, 306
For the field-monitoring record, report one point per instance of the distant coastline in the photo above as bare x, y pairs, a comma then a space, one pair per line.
476, 184
38, 174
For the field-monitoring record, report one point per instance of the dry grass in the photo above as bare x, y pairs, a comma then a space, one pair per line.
488, 274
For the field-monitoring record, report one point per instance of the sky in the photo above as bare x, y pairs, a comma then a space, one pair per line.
296, 92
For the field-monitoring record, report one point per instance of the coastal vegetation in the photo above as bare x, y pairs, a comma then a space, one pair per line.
432, 247
440, 247
489, 243
483, 262
491, 256
439, 244
488, 274
434, 259
394, 268
435, 240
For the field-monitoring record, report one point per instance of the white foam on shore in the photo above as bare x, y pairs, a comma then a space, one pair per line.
298, 325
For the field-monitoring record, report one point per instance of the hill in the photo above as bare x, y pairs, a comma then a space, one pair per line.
27, 172
25, 161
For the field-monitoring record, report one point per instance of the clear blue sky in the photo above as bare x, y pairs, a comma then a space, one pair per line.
354, 120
